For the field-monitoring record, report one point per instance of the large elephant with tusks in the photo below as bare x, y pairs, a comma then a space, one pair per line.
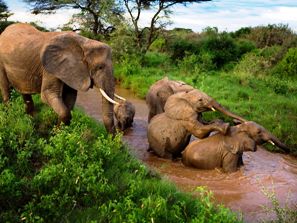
56, 65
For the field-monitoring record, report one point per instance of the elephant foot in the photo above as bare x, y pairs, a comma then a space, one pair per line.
223, 128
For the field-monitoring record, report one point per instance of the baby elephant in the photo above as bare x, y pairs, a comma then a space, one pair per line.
225, 151
124, 112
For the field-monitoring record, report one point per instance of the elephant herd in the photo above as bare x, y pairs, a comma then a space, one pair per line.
58, 64
175, 113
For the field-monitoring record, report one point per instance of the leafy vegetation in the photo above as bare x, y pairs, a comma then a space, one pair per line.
80, 173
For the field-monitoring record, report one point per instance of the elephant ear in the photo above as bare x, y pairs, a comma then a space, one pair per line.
63, 57
234, 147
164, 94
179, 108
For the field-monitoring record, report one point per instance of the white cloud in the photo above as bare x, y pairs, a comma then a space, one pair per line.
227, 15
49, 21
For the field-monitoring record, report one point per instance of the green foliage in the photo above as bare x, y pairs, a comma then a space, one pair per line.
89, 34
287, 67
155, 59
265, 36
207, 51
285, 214
258, 62
4, 24
222, 47
79, 173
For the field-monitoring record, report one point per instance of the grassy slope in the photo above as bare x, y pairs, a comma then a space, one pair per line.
77, 173
270, 101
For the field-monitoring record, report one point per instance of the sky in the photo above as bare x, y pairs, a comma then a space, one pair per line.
226, 15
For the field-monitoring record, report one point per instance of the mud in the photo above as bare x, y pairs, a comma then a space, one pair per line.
242, 191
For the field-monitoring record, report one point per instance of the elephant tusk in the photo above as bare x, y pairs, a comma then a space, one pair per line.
107, 97
270, 141
212, 108
119, 97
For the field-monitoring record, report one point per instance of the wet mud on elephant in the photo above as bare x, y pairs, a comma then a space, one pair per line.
160, 91
169, 132
225, 151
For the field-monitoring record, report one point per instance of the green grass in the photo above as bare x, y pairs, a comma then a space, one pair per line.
268, 100
79, 173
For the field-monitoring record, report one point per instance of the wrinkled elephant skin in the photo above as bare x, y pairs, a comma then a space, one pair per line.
159, 92
56, 65
225, 151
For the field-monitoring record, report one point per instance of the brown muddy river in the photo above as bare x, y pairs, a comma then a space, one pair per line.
241, 191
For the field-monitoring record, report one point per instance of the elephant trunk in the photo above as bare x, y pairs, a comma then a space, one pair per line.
278, 143
215, 105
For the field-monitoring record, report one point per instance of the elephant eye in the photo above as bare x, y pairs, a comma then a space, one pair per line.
100, 67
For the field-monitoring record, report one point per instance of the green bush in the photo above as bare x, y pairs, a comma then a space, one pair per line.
287, 67
222, 48
273, 34
79, 173
154, 59
258, 62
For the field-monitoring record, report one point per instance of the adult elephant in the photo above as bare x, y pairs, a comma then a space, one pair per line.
159, 93
225, 151
57, 65
169, 132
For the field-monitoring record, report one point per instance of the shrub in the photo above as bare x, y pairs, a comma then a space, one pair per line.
265, 36
287, 67
79, 173
222, 47
154, 59
258, 62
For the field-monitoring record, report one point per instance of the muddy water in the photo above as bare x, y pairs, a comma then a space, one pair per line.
241, 191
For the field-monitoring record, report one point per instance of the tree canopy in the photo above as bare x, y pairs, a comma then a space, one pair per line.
102, 16
4, 13
144, 37
96, 14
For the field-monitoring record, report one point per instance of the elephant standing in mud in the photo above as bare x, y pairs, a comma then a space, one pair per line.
124, 112
159, 93
169, 132
56, 65
225, 151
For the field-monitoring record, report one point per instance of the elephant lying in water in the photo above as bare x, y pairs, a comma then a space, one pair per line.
56, 65
159, 93
169, 133
225, 151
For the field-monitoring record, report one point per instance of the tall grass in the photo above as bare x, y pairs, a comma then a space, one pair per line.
79, 173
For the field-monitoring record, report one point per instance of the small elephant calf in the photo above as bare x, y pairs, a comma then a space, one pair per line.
225, 151
124, 112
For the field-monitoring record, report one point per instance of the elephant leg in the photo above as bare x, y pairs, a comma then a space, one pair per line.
29, 104
150, 116
69, 96
201, 131
61, 109
229, 162
52, 94
240, 160
4, 86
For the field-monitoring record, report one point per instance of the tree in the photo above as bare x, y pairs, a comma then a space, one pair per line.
4, 13
144, 37
97, 14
